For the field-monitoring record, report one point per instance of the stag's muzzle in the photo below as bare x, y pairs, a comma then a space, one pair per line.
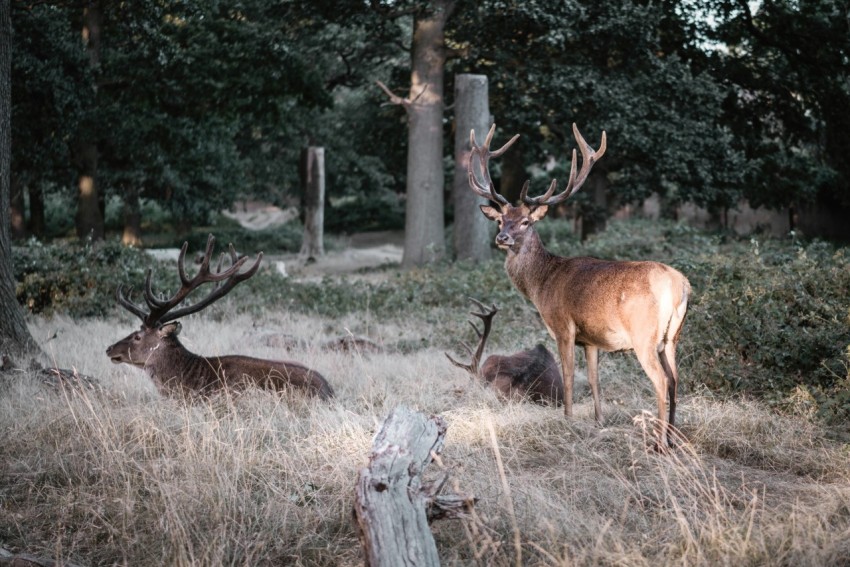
504, 240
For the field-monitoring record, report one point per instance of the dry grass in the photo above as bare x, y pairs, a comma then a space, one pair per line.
126, 477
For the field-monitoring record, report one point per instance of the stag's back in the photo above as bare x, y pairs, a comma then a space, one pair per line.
531, 374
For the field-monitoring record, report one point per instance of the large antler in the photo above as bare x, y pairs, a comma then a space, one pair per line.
162, 310
588, 158
483, 153
487, 317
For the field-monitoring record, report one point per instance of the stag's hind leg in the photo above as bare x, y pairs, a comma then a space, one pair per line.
591, 354
668, 362
649, 356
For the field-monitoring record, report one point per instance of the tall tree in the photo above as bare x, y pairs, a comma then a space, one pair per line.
424, 234
89, 219
472, 112
15, 338
789, 64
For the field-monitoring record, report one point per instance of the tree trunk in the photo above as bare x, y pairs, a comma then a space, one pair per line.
17, 211
312, 169
15, 338
89, 219
596, 217
472, 237
392, 502
132, 234
37, 226
424, 238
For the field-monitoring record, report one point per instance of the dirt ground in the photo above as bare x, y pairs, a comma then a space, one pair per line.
358, 252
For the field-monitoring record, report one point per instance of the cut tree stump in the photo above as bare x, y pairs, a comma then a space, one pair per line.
393, 504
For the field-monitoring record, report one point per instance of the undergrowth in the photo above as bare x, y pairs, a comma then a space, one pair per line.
767, 318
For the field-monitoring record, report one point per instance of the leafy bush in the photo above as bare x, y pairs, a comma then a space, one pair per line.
280, 239
769, 318
78, 278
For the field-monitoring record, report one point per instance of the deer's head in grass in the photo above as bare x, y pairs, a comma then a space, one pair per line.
598, 304
156, 348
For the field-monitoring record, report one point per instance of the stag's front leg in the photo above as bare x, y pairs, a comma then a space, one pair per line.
567, 351
591, 353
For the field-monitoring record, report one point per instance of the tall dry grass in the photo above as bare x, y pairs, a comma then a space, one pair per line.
123, 476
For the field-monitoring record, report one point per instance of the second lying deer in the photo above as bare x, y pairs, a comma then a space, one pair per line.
531, 373
176, 371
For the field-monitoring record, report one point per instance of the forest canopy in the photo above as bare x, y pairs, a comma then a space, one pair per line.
195, 104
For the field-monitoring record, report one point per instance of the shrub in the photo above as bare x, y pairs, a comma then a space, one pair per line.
78, 278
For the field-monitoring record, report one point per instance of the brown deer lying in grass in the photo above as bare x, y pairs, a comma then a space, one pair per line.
176, 371
531, 373
598, 304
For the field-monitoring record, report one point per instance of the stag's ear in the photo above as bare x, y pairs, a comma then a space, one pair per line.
491, 212
172, 328
538, 212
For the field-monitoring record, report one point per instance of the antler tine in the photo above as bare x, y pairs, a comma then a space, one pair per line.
228, 280
129, 305
162, 310
486, 315
588, 158
490, 312
483, 153
467, 367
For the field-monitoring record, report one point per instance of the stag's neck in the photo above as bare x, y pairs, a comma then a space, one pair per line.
530, 265
173, 363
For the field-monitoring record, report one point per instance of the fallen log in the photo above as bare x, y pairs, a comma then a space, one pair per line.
393, 504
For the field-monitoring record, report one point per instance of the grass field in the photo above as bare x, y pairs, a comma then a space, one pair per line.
119, 475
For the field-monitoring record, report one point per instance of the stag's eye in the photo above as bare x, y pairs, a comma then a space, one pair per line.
524, 223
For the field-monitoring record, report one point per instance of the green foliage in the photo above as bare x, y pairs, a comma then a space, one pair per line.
788, 63
768, 318
51, 85
79, 279
625, 67
362, 213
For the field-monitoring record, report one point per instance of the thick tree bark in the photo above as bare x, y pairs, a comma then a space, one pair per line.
15, 338
312, 169
424, 234
392, 502
472, 112
89, 219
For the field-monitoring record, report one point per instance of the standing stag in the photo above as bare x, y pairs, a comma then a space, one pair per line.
531, 373
156, 349
599, 304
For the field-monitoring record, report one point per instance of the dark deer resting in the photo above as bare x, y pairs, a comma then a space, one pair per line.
598, 304
176, 371
531, 374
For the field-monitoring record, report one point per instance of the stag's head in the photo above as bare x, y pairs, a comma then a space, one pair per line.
140, 347
159, 327
515, 222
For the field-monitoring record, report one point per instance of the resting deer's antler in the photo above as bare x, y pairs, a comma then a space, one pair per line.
162, 310
486, 315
